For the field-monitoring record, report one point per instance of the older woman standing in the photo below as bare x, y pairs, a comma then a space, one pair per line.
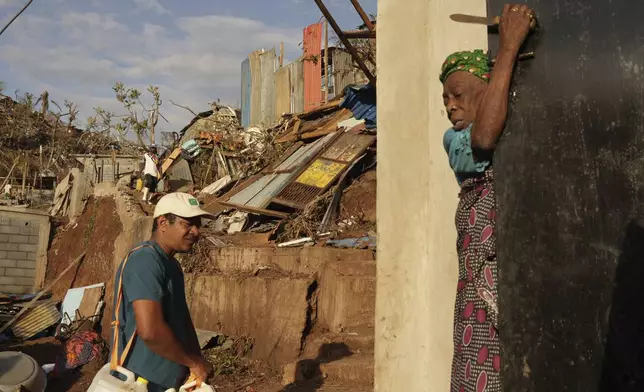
477, 105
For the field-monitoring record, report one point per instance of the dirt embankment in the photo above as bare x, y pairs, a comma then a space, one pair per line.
358, 207
95, 231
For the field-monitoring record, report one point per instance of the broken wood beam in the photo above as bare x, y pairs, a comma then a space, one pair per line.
357, 34
15, 162
363, 15
352, 51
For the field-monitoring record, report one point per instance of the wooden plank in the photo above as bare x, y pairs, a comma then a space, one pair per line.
340, 146
91, 298
41, 255
260, 211
169, 161
318, 128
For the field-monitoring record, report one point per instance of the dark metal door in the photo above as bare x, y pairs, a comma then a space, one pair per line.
570, 186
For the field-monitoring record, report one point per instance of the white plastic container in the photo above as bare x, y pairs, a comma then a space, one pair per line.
105, 382
192, 387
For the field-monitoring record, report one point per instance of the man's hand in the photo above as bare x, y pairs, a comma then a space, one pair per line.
201, 368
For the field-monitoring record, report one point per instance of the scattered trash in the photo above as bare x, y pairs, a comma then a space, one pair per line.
350, 123
217, 185
216, 242
237, 222
205, 337
47, 368
353, 243
301, 241
259, 269
81, 301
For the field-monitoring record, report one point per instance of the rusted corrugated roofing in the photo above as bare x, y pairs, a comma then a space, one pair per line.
258, 195
312, 66
36, 320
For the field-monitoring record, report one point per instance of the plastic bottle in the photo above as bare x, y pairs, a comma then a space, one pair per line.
141, 384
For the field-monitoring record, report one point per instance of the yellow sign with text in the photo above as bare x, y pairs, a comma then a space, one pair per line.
320, 173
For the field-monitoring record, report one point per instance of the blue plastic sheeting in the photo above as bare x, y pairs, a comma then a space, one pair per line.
245, 93
353, 243
361, 101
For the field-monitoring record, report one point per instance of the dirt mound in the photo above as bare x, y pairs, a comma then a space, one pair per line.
359, 199
95, 231
358, 207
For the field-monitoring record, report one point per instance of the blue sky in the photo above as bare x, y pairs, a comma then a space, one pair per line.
191, 49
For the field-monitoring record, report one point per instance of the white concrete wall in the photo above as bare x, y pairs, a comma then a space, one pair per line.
417, 192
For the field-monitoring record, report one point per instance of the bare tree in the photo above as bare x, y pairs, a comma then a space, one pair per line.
140, 119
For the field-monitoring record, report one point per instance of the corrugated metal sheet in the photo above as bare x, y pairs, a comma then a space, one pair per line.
255, 88
180, 171
282, 92
296, 69
362, 103
343, 71
268, 64
245, 93
260, 193
312, 66
324, 170
38, 319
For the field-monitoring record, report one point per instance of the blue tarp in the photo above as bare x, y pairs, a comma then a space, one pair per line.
361, 100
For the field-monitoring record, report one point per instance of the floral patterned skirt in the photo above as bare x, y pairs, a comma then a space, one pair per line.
477, 350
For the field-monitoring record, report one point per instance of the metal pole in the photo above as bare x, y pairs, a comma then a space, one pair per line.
352, 51
363, 15
326, 61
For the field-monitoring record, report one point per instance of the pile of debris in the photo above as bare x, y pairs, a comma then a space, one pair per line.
36, 149
215, 145
310, 179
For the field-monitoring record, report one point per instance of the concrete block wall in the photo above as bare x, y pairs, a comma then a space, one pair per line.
21, 255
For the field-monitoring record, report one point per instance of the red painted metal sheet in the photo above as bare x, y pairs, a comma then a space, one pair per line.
312, 66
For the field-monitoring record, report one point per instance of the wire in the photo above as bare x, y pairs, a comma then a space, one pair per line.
16, 17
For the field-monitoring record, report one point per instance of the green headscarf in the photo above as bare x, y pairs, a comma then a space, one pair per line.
474, 62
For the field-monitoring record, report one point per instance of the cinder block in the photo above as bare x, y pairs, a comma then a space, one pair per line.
15, 272
18, 239
15, 280
28, 230
32, 256
4, 237
31, 273
14, 289
29, 264
2, 271
5, 220
10, 229
7, 246
3, 254
17, 255
19, 223
33, 239
27, 248
8, 263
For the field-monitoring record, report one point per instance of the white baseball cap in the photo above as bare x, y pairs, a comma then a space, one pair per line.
180, 204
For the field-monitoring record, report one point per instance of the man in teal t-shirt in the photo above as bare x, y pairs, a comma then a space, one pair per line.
165, 348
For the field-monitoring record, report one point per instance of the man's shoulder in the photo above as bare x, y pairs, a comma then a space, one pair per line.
144, 254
